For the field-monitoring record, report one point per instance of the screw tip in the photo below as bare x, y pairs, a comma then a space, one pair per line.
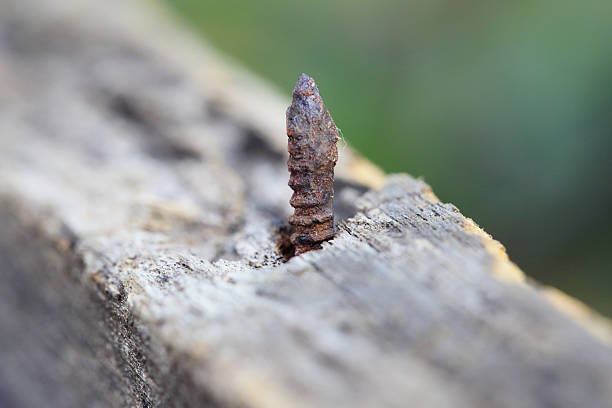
306, 85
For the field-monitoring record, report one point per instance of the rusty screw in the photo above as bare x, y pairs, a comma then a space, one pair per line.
313, 154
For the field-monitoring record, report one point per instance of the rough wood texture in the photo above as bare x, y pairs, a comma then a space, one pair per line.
142, 185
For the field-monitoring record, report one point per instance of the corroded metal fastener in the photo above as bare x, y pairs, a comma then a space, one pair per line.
312, 156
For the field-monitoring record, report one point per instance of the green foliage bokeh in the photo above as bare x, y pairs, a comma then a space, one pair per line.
505, 108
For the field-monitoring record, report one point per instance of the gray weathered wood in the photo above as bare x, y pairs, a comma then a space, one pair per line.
142, 184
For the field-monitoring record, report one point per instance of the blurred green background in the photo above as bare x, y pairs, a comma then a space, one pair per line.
505, 108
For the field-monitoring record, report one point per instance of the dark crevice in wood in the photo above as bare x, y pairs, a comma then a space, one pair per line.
284, 245
255, 146
345, 195
159, 144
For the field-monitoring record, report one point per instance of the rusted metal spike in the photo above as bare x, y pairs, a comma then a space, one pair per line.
313, 154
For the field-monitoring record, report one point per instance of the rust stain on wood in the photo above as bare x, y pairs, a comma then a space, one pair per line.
313, 154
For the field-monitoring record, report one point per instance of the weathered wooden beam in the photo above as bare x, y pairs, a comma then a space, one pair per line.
142, 186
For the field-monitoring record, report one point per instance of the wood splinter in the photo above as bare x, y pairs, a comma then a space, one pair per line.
313, 154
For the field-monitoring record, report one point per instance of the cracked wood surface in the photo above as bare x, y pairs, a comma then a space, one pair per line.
142, 186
